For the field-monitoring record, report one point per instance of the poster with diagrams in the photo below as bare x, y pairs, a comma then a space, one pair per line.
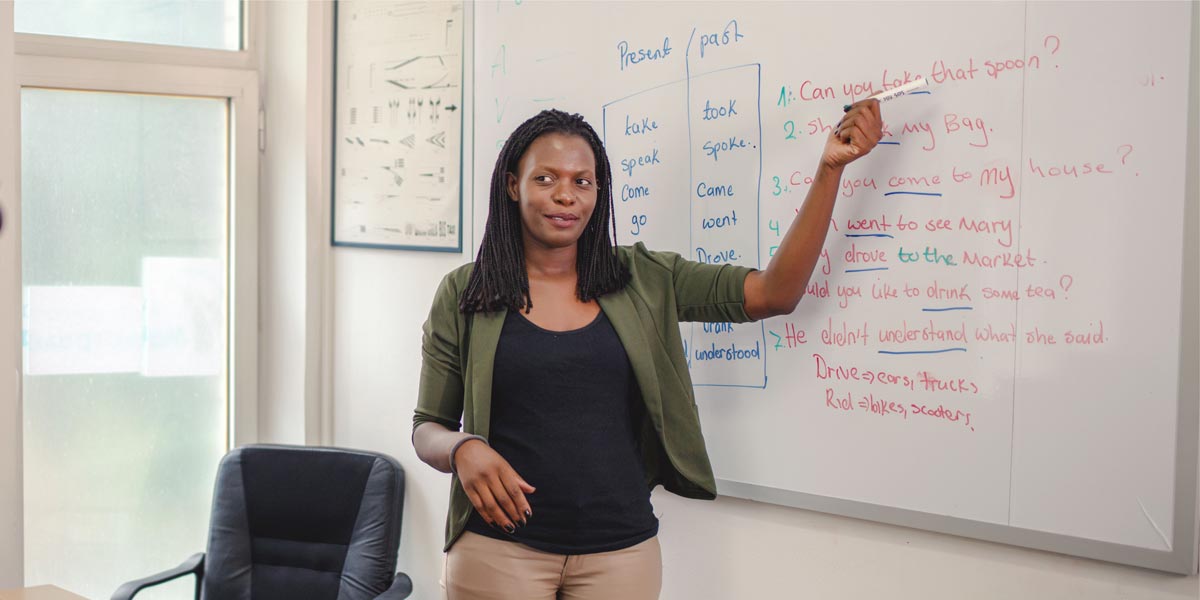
398, 132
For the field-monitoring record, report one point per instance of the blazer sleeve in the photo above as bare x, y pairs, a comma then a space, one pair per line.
703, 292
440, 398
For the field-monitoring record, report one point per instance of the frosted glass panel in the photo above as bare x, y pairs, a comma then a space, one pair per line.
195, 23
124, 262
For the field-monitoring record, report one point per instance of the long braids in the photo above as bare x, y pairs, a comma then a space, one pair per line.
499, 279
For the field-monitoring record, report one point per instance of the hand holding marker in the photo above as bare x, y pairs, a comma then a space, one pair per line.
893, 93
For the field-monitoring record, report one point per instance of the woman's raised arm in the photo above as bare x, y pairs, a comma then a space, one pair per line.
777, 289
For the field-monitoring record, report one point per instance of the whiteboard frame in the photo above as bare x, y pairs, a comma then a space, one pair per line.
1185, 551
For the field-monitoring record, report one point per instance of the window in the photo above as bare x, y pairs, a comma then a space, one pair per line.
137, 303
213, 24
124, 201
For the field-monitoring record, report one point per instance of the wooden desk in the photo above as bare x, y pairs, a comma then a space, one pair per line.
41, 592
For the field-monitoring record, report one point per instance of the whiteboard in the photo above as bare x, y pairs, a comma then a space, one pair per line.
992, 343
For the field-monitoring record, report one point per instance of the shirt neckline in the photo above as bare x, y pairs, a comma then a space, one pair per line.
599, 316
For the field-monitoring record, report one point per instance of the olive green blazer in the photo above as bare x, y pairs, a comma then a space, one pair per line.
458, 352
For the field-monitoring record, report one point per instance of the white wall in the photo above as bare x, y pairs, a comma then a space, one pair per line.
294, 237
282, 245
381, 299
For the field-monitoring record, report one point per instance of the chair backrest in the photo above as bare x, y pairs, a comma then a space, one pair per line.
303, 523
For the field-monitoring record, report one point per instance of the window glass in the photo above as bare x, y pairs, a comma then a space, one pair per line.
194, 23
124, 266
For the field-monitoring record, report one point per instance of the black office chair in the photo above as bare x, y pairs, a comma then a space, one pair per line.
299, 523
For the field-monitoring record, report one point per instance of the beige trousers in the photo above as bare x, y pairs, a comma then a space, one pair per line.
481, 568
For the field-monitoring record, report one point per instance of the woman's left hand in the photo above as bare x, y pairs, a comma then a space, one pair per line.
855, 135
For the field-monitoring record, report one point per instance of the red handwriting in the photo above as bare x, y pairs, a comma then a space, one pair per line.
884, 291
846, 292
880, 225
998, 178
941, 71
817, 289
1002, 228
990, 293
1089, 337
961, 385
894, 80
858, 90
1031, 291
1074, 170
850, 185
882, 407
905, 334
1092, 335
991, 334
1038, 337
995, 67
910, 181
954, 123
792, 337
811, 91
917, 127
988, 177
844, 336
937, 291
827, 370
840, 403
875, 405
1002, 260
798, 178
856, 256
993, 176
943, 413
818, 126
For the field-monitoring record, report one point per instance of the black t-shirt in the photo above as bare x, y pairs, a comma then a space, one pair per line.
564, 407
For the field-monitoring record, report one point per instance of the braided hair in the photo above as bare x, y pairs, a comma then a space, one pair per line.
499, 279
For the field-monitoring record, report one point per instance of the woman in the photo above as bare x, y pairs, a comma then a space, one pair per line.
560, 358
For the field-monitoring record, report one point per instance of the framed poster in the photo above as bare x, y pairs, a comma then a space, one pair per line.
398, 125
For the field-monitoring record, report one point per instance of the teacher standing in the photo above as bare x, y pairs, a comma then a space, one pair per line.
559, 357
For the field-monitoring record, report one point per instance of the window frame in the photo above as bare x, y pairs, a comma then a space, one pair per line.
71, 63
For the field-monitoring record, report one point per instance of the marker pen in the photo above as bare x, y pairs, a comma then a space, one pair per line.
895, 92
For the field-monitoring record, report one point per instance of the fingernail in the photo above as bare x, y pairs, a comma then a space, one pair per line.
510, 529
524, 522
528, 514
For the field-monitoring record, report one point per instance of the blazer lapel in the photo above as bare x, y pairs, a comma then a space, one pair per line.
485, 336
623, 315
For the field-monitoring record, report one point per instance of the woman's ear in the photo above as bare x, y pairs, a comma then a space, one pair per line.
512, 186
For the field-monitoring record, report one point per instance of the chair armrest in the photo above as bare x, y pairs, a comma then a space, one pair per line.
194, 565
401, 588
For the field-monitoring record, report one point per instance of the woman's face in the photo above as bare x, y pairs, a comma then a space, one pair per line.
555, 185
